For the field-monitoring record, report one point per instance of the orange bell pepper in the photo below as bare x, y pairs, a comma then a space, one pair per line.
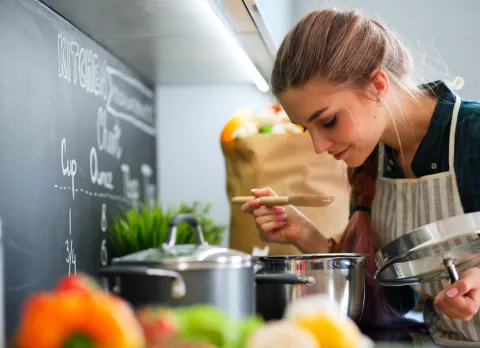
78, 319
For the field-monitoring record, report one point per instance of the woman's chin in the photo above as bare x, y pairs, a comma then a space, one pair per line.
354, 161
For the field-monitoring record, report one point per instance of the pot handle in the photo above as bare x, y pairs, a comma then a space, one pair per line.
173, 225
178, 289
283, 278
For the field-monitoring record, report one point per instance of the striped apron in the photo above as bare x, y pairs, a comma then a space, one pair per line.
402, 205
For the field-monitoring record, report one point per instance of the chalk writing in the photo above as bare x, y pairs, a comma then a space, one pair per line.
69, 167
149, 189
106, 195
104, 179
103, 220
80, 65
138, 110
103, 227
71, 256
131, 187
108, 140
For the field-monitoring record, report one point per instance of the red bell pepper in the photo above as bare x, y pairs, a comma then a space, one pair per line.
78, 318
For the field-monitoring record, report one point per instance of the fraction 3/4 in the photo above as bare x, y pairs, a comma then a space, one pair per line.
71, 257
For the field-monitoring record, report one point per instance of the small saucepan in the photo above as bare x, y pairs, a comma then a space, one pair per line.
340, 276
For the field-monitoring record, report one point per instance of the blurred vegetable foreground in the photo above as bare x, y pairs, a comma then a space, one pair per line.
79, 314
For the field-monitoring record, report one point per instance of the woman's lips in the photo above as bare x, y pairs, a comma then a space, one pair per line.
341, 155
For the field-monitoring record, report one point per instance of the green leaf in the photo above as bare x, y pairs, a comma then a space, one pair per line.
79, 341
143, 228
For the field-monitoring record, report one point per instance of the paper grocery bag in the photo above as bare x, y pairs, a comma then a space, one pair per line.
289, 165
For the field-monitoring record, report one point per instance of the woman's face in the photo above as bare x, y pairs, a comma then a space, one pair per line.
341, 121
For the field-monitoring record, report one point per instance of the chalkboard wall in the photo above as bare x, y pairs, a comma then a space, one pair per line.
77, 143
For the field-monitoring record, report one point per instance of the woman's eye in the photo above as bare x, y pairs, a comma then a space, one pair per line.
332, 123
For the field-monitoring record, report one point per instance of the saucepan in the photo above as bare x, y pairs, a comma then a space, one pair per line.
238, 283
340, 276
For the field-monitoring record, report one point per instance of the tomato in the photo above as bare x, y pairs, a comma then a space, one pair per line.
78, 282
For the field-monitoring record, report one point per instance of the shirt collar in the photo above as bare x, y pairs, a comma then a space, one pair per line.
432, 143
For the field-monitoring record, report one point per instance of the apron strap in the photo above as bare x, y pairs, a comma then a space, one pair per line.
453, 127
380, 163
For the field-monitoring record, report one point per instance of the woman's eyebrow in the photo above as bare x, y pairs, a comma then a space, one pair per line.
316, 114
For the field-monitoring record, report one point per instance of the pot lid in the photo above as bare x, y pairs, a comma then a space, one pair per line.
187, 256
439, 250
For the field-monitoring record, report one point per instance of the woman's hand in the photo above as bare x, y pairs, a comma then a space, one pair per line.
285, 224
462, 299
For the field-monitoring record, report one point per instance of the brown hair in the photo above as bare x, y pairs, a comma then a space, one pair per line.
345, 48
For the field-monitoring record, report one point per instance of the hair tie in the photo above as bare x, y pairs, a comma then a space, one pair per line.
362, 208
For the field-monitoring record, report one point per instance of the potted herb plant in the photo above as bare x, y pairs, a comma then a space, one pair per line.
143, 228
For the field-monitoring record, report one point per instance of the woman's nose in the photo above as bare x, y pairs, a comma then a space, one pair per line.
321, 144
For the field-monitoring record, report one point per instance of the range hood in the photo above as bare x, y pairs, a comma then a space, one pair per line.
176, 42
243, 19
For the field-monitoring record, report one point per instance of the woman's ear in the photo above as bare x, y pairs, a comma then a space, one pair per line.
381, 83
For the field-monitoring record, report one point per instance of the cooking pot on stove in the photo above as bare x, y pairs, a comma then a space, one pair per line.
340, 276
181, 275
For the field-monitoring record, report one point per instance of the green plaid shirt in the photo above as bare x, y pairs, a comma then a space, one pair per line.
432, 154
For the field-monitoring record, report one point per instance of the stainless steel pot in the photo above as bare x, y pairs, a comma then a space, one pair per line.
340, 276
181, 275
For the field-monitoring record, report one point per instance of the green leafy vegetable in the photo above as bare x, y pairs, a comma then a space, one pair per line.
204, 323
245, 329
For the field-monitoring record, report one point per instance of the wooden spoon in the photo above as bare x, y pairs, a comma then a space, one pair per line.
297, 200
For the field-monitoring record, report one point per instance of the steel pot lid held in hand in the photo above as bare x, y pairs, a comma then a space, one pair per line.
187, 256
436, 251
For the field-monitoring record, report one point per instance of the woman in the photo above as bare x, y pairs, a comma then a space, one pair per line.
412, 151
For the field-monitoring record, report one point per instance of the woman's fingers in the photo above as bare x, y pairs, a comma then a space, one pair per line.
267, 219
263, 211
250, 206
264, 191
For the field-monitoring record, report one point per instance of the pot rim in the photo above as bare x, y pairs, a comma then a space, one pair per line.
185, 265
358, 256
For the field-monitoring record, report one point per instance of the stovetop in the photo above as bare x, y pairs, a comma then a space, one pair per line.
415, 335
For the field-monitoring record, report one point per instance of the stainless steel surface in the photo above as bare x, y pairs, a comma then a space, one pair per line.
203, 275
286, 278
232, 290
419, 256
341, 276
174, 42
429, 268
187, 256
452, 270
172, 230
178, 284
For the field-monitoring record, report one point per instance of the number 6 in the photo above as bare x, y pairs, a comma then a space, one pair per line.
104, 253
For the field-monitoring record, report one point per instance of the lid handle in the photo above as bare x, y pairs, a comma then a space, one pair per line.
451, 269
179, 219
